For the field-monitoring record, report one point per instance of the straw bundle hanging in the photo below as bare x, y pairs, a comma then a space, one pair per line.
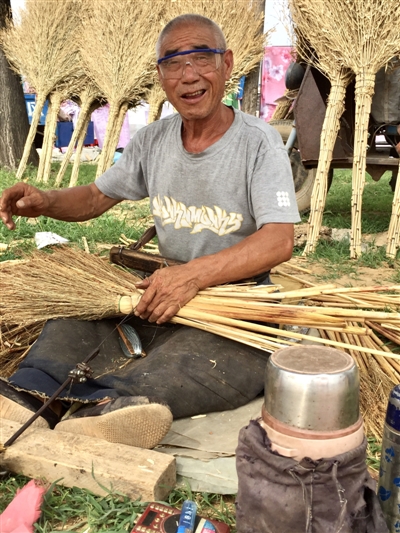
369, 38
42, 48
117, 47
61, 92
315, 25
155, 97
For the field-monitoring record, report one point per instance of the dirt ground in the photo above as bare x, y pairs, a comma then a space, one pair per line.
322, 272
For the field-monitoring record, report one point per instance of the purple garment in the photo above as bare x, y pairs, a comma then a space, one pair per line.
100, 119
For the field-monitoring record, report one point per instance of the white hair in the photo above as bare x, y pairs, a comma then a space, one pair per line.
188, 19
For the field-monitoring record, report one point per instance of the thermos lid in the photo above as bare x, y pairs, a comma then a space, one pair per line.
313, 388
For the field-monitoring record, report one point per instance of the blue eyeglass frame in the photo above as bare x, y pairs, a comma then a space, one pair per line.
186, 52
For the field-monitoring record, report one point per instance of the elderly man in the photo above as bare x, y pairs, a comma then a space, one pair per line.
222, 197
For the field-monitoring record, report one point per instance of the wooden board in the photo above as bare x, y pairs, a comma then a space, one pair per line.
88, 463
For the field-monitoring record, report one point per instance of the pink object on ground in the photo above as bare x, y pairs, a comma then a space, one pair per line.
24, 510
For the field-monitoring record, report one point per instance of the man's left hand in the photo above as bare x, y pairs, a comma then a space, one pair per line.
166, 292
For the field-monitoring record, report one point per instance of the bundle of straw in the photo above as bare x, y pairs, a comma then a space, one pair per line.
42, 47
61, 92
117, 46
370, 37
69, 283
315, 25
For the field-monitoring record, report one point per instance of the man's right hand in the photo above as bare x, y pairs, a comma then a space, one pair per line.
22, 199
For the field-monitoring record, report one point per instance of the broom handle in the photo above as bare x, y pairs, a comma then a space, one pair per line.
36, 415
365, 83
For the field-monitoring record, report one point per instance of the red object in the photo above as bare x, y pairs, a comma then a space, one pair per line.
24, 510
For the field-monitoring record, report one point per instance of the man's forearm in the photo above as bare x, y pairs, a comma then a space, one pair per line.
77, 203
72, 205
258, 253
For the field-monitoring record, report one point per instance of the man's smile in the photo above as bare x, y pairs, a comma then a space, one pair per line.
193, 95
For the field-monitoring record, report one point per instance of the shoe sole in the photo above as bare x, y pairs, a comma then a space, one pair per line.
10, 410
142, 426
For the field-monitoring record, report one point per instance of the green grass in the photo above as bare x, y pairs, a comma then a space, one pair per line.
78, 510
127, 218
376, 212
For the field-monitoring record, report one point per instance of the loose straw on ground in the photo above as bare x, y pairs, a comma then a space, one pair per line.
42, 48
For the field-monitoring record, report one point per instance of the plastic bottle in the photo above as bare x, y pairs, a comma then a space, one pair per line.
187, 517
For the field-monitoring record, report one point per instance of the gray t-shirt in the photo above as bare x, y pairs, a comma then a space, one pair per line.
203, 203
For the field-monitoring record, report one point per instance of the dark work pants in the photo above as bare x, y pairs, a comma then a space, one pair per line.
192, 371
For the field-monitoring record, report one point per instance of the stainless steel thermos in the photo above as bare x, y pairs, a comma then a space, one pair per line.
389, 473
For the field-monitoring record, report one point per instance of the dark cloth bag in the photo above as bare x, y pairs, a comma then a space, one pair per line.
192, 371
280, 495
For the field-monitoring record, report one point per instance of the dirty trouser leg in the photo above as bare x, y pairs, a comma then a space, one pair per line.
192, 371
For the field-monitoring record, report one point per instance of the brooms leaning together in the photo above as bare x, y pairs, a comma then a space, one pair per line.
69, 283
345, 39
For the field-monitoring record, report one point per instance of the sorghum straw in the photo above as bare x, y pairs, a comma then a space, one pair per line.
42, 47
394, 226
369, 36
118, 53
68, 283
315, 24
89, 98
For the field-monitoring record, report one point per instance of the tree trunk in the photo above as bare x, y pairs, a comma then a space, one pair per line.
250, 100
14, 124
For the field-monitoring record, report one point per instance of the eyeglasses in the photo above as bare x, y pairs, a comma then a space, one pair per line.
203, 61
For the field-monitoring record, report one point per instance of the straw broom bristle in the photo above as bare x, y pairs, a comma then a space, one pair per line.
74, 284
126, 33
42, 47
314, 24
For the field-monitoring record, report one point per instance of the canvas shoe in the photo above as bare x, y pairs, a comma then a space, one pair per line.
134, 420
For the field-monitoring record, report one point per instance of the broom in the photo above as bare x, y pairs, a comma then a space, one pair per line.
65, 284
89, 99
315, 24
69, 283
41, 47
123, 68
372, 38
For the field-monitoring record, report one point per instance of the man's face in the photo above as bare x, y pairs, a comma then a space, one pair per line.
195, 96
